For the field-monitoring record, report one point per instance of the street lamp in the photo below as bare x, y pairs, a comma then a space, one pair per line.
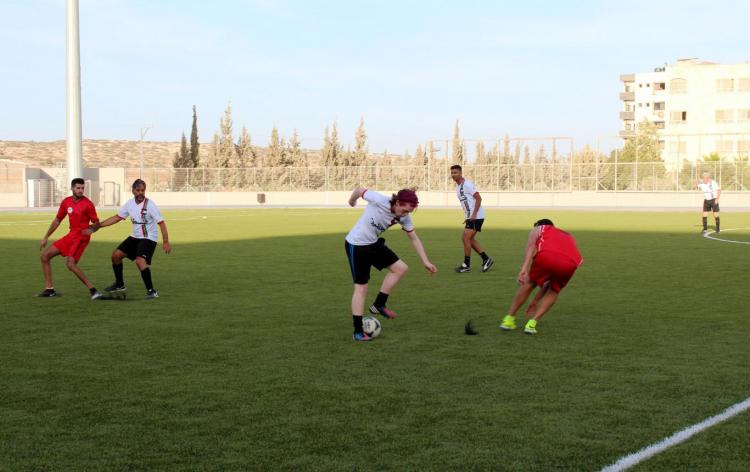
144, 130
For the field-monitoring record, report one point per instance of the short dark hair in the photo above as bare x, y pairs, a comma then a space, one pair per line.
456, 166
545, 222
138, 182
77, 181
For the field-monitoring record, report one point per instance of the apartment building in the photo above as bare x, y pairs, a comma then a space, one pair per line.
698, 107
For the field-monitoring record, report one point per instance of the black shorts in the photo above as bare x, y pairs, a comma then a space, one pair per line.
711, 205
476, 225
137, 247
361, 258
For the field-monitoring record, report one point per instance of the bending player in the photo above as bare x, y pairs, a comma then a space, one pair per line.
550, 261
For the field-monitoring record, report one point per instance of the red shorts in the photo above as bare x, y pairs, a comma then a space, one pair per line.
72, 245
553, 268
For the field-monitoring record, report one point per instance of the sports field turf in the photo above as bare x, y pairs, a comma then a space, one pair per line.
246, 361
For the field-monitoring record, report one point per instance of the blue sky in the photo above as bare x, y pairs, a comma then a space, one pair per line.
410, 68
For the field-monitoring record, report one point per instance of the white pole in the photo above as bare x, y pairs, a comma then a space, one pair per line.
73, 82
144, 130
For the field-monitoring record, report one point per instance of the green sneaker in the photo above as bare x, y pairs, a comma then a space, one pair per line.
530, 327
509, 323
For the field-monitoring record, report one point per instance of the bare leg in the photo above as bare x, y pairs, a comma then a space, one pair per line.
396, 272
358, 299
475, 245
545, 304
71, 265
522, 294
466, 238
45, 257
531, 310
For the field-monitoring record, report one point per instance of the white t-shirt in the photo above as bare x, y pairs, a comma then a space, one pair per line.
145, 220
710, 190
376, 218
465, 192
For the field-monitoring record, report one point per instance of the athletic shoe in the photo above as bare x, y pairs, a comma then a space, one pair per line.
718, 231
48, 292
151, 294
509, 323
115, 288
487, 264
387, 312
361, 337
705, 231
530, 327
96, 295
463, 268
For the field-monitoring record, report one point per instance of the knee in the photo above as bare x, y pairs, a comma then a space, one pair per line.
70, 264
43, 257
403, 268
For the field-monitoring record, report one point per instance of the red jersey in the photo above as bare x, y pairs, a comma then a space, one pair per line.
556, 241
80, 213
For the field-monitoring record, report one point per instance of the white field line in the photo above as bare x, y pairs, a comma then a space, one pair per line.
681, 436
712, 234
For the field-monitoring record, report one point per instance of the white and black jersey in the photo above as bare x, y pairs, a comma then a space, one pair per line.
145, 217
376, 218
710, 190
465, 192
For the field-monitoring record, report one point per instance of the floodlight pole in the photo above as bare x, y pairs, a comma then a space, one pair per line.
73, 95
144, 130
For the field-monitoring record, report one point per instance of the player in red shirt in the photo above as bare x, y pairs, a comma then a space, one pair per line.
553, 258
80, 213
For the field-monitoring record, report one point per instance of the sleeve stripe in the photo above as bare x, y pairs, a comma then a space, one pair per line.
408, 230
364, 192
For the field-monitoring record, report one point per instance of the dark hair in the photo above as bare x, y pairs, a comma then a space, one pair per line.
77, 181
456, 166
544, 221
406, 195
138, 182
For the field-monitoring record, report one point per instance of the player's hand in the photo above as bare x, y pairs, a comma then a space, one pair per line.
430, 268
42, 244
167, 247
523, 277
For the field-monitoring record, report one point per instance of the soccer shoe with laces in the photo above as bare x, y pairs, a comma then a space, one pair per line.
463, 268
509, 323
151, 294
530, 327
487, 264
96, 294
361, 337
47, 293
381, 310
115, 288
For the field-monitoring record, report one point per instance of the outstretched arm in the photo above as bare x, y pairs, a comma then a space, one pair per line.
417, 243
165, 237
101, 224
52, 227
356, 193
523, 275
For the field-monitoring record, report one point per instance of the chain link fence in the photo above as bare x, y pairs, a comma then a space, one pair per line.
532, 177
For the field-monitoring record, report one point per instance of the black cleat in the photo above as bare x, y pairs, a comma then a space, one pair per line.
463, 268
151, 294
47, 293
487, 264
115, 288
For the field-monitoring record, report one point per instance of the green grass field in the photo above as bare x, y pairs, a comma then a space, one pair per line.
246, 361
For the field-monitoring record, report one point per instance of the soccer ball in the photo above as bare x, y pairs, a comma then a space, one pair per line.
371, 326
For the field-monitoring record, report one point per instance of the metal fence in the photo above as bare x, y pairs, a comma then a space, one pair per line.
531, 177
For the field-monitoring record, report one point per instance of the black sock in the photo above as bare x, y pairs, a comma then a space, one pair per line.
357, 320
146, 276
705, 223
117, 268
484, 256
381, 300
92, 290
717, 223
467, 261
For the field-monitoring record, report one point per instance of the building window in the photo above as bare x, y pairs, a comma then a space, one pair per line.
725, 116
725, 85
724, 146
743, 115
678, 117
660, 86
744, 84
678, 86
659, 124
659, 106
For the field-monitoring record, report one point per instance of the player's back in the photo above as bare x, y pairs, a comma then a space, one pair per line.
554, 240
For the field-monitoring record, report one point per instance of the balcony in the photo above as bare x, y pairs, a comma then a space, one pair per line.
627, 115
627, 133
627, 77
627, 96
